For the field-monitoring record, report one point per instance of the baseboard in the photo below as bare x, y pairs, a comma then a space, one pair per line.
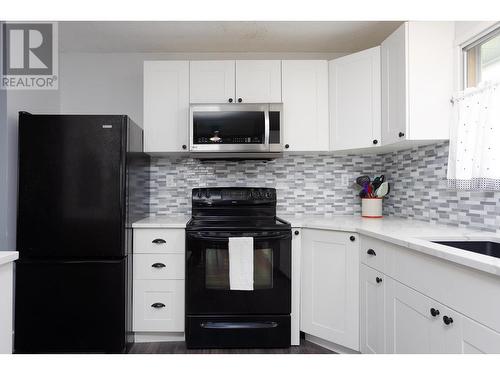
330, 345
158, 336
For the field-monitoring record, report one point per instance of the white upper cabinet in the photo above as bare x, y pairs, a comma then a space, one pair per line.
417, 82
166, 106
355, 100
305, 105
258, 81
330, 286
212, 81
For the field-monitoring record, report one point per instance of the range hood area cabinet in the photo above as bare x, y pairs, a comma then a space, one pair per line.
417, 82
240, 81
166, 106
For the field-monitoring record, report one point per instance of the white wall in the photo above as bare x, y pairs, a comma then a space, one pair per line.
111, 83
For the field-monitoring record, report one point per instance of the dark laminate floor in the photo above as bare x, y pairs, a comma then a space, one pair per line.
179, 347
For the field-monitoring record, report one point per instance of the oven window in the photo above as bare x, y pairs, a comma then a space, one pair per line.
217, 268
228, 127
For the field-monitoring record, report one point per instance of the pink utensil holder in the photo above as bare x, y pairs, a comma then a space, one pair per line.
371, 207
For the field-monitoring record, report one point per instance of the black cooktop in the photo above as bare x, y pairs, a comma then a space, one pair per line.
238, 224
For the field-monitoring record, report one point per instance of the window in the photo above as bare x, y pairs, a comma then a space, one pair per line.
482, 60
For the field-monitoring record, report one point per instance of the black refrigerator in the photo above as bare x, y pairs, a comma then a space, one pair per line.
82, 182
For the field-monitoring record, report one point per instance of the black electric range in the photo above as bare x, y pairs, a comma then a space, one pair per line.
216, 315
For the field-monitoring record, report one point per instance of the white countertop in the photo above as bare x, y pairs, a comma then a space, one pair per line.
8, 256
409, 233
163, 221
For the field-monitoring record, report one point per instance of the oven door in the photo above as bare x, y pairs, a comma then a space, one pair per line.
207, 274
229, 128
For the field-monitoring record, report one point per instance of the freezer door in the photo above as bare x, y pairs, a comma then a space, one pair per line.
71, 186
70, 307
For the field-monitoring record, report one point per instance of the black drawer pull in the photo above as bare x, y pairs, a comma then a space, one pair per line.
434, 312
158, 305
159, 241
378, 280
158, 265
371, 252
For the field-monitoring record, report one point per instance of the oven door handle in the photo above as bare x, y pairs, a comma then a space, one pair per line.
224, 237
238, 325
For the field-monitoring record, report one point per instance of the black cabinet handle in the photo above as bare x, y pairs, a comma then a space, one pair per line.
230, 100
352, 238
184, 147
287, 146
158, 305
375, 141
296, 232
371, 252
240, 100
158, 265
378, 280
401, 134
434, 312
159, 241
447, 320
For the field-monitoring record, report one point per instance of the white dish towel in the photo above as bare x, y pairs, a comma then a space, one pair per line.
241, 263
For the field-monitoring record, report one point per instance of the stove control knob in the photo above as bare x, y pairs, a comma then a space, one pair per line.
268, 195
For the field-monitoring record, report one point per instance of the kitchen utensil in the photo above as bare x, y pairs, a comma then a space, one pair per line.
382, 190
363, 180
376, 183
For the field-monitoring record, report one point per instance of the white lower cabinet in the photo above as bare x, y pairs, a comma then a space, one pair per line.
399, 313
159, 274
330, 286
477, 338
372, 311
411, 329
159, 305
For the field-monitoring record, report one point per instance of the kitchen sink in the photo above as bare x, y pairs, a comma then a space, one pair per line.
489, 248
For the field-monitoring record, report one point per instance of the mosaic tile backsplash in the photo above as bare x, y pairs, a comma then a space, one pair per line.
306, 184
419, 191
320, 184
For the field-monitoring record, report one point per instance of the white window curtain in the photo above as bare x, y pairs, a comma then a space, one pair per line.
474, 159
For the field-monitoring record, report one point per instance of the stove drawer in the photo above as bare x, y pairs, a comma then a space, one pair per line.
233, 331
154, 241
159, 305
159, 266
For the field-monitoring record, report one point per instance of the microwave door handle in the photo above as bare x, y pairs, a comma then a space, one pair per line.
266, 128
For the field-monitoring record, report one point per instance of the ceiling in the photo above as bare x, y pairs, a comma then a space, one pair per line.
215, 36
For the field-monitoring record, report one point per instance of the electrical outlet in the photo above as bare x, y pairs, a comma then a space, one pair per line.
346, 180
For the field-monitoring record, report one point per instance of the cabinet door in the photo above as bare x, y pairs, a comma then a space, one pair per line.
212, 81
477, 338
330, 287
258, 81
372, 311
166, 106
355, 100
305, 105
394, 86
410, 326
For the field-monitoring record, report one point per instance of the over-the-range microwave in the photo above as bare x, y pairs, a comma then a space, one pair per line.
235, 130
